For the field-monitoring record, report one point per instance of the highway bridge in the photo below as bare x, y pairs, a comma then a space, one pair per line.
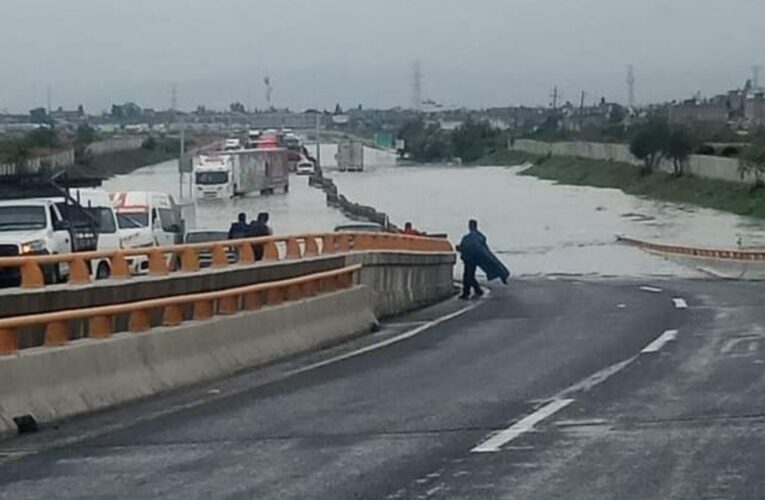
341, 367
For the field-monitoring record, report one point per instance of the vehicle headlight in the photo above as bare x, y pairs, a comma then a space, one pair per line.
35, 246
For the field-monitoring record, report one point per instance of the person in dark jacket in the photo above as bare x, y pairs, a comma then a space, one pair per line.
476, 253
259, 228
471, 248
240, 228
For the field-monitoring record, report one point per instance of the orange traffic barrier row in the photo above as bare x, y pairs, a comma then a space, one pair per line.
100, 320
186, 257
713, 253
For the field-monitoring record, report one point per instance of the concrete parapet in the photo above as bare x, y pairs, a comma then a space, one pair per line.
404, 281
51, 383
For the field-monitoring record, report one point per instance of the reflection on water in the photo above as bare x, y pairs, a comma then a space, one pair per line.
539, 227
302, 210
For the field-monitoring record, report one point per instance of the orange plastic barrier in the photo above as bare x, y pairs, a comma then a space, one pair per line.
294, 247
204, 305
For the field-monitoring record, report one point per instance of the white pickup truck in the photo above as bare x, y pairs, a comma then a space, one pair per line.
49, 226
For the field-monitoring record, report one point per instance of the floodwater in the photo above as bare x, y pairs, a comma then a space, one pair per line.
537, 227
302, 210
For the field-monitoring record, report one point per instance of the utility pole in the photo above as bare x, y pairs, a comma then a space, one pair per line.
581, 110
318, 141
756, 76
631, 86
49, 98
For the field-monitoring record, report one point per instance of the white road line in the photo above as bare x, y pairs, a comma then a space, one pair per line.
657, 344
680, 303
595, 379
651, 289
526, 424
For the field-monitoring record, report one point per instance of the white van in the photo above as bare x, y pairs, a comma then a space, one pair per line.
147, 219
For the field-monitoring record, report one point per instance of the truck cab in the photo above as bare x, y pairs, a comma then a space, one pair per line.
147, 219
213, 177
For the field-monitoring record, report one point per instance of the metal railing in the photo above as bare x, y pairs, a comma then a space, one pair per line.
162, 260
710, 253
100, 321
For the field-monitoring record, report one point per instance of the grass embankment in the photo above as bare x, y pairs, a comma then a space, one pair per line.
736, 198
124, 162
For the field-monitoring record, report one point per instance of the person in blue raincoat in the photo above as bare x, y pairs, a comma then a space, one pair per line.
475, 252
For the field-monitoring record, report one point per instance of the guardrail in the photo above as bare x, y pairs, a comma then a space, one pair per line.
187, 256
711, 253
101, 320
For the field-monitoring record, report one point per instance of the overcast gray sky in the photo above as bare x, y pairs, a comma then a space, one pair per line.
474, 52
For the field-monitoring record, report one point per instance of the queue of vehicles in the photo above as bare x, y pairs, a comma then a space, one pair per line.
257, 163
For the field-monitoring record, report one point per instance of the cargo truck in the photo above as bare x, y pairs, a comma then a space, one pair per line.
350, 157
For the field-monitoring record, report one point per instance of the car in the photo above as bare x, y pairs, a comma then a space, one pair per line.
305, 168
360, 227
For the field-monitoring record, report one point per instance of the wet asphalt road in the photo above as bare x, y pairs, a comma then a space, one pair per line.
684, 419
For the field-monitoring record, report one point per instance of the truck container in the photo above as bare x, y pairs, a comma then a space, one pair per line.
350, 157
262, 170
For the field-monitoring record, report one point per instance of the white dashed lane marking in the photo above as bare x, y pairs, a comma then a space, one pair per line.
680, 303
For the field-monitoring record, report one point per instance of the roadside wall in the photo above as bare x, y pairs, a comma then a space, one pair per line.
710, 167
115, 145
87, 375
403, 281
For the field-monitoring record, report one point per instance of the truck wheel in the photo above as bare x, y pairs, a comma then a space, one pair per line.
103, 271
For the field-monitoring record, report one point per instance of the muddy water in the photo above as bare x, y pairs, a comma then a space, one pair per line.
302, 210
539, 227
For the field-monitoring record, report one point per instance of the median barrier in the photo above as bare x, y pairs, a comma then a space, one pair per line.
186, 257
264, 323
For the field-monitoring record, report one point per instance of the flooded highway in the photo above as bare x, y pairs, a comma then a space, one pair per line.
537, 227
302, 210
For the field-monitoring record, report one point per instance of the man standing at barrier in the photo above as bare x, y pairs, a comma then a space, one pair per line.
239, 229
259, 228
476, 253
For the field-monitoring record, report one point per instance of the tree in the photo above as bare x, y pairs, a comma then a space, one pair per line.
80, 110
678, 148
41, 138
237, 107
473, 140
85, 134
752, 163
649, 144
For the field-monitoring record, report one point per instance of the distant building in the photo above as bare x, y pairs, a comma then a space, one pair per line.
699, 113
754, 110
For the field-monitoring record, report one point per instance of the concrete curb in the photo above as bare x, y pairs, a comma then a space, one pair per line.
52, 383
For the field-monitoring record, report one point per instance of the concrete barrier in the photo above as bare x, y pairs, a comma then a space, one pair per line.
51, 383
403, 281
709, 167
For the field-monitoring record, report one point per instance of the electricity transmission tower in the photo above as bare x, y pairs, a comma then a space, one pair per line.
417, 86
631, 86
